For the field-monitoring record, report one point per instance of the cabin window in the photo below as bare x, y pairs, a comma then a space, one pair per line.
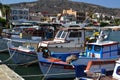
97, 48
59, 34
89, 47
75, 34
63, 34
118, 70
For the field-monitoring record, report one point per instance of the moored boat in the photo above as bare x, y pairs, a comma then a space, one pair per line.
101, 75
54, 67
103, 51
66, 40
22, 54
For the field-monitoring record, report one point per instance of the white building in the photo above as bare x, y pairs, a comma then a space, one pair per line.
1, 13
18, 14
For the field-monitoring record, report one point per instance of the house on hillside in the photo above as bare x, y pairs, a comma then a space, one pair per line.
71, 15
19, 13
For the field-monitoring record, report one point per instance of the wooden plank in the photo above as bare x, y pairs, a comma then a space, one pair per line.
7, 74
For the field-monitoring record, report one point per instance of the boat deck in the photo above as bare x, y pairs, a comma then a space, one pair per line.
7, 74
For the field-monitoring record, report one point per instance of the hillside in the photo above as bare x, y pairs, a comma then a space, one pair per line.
56, 6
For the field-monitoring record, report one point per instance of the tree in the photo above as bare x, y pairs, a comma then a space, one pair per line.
6, 13
117, 22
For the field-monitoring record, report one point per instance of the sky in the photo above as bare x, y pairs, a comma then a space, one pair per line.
14, 1
105, 3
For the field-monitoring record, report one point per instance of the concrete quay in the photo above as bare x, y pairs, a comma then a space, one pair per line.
7, 74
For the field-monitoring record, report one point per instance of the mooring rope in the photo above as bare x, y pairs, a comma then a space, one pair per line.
26, 64
47, 71
10, 55
47, 74
4, 50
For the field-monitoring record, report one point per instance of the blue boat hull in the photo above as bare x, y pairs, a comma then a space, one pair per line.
20, 57
50, 70
56, 69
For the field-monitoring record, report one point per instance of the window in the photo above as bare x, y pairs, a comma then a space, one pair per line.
20, 17
20, 12
26, 17
89, 47
26, 12
14, 11
15, 17
63, 34
75, 34
59, 34
97, 48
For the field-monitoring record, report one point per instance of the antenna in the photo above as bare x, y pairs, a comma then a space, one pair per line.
100, 37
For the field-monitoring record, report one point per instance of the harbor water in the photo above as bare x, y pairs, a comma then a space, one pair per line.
28, 72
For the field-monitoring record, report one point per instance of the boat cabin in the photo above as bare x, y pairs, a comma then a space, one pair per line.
103, 49
74, 35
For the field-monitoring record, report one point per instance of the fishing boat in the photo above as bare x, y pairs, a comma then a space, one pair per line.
20, 31
96, 51
102, 75
99, 50
21, 54
22, 49
54, 67
66, 40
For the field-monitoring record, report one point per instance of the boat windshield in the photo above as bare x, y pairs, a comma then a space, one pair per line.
89, 47
75, 34
61, 34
